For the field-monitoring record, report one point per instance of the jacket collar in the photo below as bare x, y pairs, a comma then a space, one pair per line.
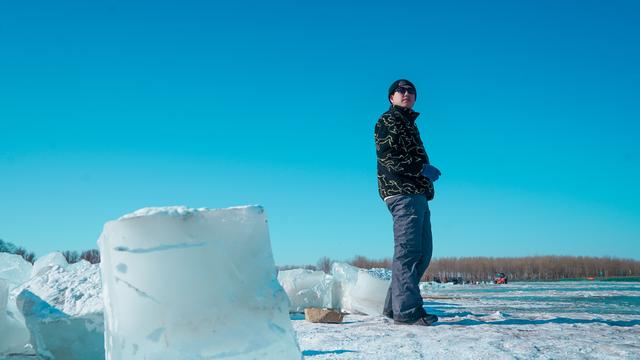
408, 113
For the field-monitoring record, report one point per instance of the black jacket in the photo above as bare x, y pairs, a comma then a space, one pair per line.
401, 155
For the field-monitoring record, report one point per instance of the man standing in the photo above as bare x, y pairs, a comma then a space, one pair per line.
405, 183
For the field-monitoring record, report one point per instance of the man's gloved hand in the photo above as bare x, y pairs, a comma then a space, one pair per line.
431, 172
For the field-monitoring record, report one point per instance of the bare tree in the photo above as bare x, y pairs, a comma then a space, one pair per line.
324, 264
71, 256
92, 256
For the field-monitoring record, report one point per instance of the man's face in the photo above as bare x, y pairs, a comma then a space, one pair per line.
404, 96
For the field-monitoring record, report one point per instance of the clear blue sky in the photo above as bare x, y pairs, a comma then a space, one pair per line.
530, 109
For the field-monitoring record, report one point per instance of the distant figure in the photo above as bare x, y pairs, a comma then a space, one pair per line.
405, 183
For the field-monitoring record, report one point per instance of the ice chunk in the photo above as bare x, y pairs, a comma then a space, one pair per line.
13, 333
307, 288
359, 290
369, 293
193, 283
14, 269
63, 311
344, 277
47, 262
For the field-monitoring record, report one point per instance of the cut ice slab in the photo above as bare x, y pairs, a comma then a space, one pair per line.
369, 293
183, 283
307, 288
358, 290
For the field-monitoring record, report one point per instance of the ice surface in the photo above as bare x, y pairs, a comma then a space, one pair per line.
578, 320
14, 269
47, 262
185, 283
64, 313
13, 333
307, 288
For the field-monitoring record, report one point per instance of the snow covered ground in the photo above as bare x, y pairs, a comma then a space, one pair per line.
576, 320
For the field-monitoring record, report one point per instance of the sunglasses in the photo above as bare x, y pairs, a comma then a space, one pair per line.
403, 90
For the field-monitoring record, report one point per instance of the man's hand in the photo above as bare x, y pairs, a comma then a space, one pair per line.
431, 172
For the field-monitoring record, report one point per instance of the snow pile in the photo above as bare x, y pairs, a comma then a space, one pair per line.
14, 269
307, 288
63, 311
193, 283
79, 266
46, 262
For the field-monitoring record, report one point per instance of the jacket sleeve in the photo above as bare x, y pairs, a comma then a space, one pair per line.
391, 148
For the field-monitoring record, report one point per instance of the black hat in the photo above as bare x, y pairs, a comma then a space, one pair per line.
401, 82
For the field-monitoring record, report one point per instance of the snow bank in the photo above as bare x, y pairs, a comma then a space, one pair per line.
193, 283
307, 288
46, 262
14, 269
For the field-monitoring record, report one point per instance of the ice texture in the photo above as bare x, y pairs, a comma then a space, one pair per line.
48, 261
369, 293
358, 290
13, 333
344, 277
182, 283
14, 269
307, 288
64, 313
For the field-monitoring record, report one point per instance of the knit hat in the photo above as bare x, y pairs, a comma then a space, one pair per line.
398, 83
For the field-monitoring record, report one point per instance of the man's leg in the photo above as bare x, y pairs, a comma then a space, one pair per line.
408, 212
427, 242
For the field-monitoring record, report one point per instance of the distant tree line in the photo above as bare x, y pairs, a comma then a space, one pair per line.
10, 248
531, 268
92, 255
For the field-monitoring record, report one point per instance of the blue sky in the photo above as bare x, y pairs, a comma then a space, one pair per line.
530, 109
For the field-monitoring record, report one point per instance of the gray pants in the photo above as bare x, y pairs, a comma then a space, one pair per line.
411, 256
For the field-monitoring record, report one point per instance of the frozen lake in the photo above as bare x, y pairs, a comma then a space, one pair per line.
552, 320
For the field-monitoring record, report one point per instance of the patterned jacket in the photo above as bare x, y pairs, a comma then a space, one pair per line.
401, 155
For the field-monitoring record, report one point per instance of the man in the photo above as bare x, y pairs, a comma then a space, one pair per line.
405, 183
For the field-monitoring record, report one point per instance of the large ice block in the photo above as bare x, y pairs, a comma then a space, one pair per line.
307, 288
14, 269
183, 283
